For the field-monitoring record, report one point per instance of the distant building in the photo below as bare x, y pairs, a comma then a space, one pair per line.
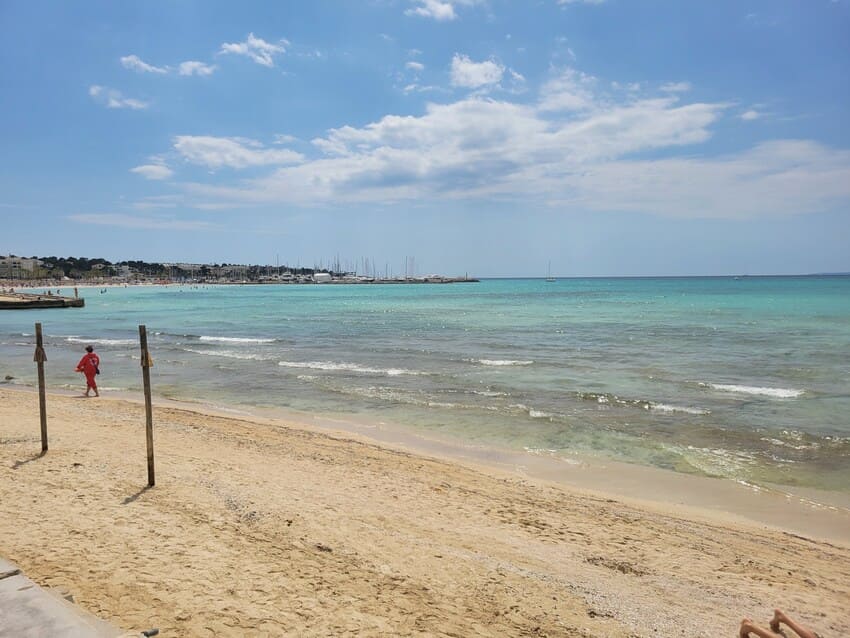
12, 266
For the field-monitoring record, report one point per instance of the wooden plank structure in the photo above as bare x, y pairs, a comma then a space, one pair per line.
40, 357
147, 364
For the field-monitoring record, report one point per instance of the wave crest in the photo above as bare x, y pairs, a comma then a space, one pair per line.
345, 367
503, 362
776, 393
104, 342
236, 339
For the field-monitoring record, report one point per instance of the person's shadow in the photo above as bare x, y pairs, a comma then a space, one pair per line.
18, 464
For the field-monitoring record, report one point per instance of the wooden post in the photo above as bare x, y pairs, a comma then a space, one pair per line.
40, 357
147, 363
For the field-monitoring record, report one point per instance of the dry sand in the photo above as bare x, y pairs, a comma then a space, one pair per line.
256, 528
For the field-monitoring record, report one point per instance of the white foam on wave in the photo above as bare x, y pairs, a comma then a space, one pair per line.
663, 407
345, 367
490, 393
503, 362
777, 393
104, 342
236, 339
105, 388
802, 446
229, 354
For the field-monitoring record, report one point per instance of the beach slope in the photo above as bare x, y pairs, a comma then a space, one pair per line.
256, 528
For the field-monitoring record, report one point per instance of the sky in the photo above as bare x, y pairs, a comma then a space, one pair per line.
489, 137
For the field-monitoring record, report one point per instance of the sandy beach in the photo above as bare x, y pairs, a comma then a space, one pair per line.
260, 528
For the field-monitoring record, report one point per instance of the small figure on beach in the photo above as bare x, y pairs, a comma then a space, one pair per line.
89, 365
775, 631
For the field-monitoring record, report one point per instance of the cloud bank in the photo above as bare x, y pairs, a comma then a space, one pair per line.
574, 146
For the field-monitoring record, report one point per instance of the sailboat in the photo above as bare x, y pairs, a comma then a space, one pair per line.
549, 276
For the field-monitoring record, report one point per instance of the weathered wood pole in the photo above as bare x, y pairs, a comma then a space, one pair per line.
40, 357
147, 363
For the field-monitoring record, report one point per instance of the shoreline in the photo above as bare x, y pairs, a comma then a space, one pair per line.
813, 513
263, 527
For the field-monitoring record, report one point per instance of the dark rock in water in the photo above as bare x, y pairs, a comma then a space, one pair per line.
8, 377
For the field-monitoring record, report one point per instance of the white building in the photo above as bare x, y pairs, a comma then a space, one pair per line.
12, 266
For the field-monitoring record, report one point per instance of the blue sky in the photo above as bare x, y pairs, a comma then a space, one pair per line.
610, 137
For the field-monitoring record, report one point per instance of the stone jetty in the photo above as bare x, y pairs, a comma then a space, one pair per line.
25, 300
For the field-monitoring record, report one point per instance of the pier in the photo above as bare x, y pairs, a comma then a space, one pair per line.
25, 300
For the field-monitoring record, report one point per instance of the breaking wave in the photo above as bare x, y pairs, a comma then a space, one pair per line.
777, 393
236, 339
502, 362
346, 367
104, 342
228, 354
605, 398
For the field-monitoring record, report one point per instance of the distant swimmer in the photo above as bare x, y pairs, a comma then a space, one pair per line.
775, 631
89, 365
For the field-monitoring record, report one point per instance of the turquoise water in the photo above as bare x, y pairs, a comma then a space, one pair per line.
741, 378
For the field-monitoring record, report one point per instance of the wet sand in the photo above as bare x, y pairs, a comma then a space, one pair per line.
261, 528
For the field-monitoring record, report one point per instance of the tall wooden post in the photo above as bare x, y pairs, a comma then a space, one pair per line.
147, 363
40, 357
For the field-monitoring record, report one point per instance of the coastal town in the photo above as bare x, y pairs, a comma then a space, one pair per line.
17, 272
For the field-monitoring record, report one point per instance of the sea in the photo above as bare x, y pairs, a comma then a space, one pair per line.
743, 378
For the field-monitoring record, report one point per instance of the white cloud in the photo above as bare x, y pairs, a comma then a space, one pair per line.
435, 9
257, 49
159, 201
420, 88
576, 147
190, 67
113, 99
440, 10
153, 171
781, 177
284, 139
193, 67
469, 74
676, 87
231, 152
750, 115
135, 63
472, 148
415, 66
147, 223
569, 90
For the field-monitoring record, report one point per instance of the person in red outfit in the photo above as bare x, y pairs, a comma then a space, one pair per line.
89, 365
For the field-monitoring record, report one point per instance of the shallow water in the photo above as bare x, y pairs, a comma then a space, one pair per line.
741, 378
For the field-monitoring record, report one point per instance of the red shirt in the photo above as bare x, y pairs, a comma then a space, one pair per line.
89, 364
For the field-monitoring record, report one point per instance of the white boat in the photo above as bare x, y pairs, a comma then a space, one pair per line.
549, 276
